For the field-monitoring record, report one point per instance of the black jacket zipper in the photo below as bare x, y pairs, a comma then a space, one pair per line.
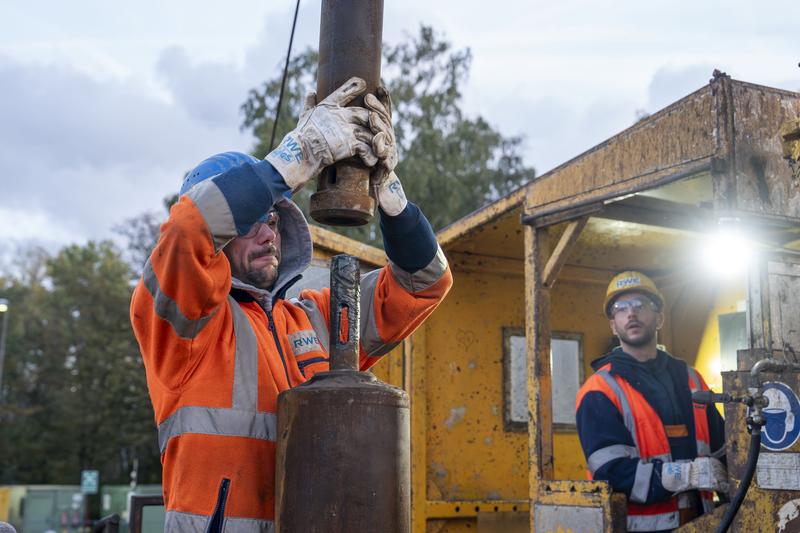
218, 518
278, 345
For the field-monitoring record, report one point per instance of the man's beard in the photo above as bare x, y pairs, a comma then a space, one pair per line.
265, 277
644, 340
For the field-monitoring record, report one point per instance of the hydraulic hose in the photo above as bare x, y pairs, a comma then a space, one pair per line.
750, 469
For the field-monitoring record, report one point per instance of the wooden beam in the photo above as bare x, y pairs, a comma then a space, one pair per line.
541, 221
334, 243
559, 255
475, 220
661, 213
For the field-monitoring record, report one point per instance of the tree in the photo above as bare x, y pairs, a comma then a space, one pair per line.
450, 164
77, 396
141, 234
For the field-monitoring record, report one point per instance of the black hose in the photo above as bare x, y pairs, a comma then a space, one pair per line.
750, 469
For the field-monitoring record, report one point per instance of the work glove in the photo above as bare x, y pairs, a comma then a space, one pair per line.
326, 133
704, 473
388, 189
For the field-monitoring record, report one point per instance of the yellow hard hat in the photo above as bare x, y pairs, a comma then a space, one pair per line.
630, 281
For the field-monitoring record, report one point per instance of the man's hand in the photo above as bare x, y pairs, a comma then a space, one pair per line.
387, 186
704, 473
326, 133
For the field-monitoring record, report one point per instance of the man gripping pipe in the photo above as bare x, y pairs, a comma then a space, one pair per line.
218, 338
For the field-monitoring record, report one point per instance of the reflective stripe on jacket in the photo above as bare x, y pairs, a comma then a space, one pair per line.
650, 436
216, 358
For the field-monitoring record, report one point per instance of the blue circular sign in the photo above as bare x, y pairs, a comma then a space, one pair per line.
783, 417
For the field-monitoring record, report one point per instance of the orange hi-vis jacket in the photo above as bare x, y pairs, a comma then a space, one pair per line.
650, 436
217, 352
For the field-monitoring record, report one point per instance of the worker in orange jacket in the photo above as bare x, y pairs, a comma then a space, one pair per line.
219, 339
637, 423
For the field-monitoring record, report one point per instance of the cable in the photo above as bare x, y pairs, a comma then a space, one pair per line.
283, 81
744, 484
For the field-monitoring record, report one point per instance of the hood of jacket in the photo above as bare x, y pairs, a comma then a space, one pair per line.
296, 252
620, 359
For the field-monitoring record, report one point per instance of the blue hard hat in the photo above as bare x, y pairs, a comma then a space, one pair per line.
214, 165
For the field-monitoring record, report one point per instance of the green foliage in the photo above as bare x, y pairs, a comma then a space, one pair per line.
141, 234
75, 390
450, 164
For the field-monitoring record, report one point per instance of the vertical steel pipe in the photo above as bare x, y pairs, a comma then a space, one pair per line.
344, 453
350, 38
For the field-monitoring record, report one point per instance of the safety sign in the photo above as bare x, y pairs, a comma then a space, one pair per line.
90, 479
783, 417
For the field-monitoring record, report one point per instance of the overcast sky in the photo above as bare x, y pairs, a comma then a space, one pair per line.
106, 104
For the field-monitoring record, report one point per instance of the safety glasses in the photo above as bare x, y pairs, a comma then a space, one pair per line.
271, 219
636, 305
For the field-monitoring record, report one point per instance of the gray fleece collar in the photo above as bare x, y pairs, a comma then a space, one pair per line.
296, 252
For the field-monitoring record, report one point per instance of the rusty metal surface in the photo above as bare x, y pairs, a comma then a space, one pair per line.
350, 37
705, 523
343, 456
556, 518
774, 296
581, 506
790, 135
500, 237
680, 155
677, 141
763, 509
345, 312
764, 181
462, 227
342, 197
343, 450
503, 523
784, 305
738, 131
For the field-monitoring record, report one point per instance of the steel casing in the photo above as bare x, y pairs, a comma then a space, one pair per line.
343, 456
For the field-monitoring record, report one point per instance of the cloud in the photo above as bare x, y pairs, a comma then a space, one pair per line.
78, 155
204, 90
81, 149
671, 83
99, 122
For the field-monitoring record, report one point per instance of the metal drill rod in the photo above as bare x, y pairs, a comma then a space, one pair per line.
350, 36
345, 315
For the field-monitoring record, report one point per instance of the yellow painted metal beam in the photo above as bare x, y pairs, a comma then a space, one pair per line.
537, 333
437, 510
476, 219
416, 356
561, 251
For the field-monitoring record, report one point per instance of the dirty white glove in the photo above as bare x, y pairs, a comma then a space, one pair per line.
326, 133
390, 195
386, 184
704, 473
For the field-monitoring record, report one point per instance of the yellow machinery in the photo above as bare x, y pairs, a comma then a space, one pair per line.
658, 197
